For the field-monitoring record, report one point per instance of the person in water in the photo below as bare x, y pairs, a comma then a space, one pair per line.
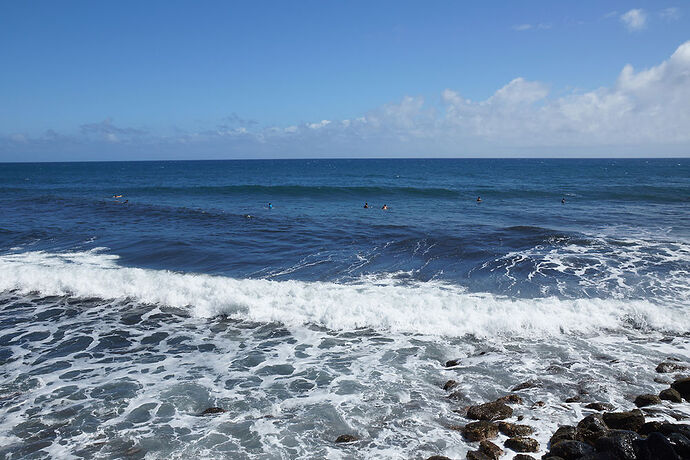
385, 206
563, 201
479, 199
366, 205
270, 206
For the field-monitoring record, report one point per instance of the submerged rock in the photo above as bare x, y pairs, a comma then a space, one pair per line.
573, 399
599, 406
514, 429
346, 438
452, 362
667, 367
647, 400
213, 410
438, 457
670, 394
491, 411
522, 444
632, 420
450, 384
510, 399
525, 385
479, 431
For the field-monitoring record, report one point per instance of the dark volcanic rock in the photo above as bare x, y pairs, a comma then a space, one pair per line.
477, 455
647, 400
599, 406
346, 438
452, 362
438, 457
649, 427
490, 449
632, 420
667, 367
619, 444
573, 399
213, 410
450, 384
510, 399
591, 428
681, 444
570, 450
669, 394
668, 428
491, 411
682, 386
458, 396
656, 446
479, 431
522, 444
514, 429
563, 433
523, 457
524, 386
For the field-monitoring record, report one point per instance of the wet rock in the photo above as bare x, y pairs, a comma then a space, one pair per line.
632, 420
479, 431
573, 399
538, 404
477, 455
523, 457
663, 380
682, 386
520, 418
438, 457
647, 400
346, 438
670, 394
450, 384
525, 385
570, 450
452, 362
619, 444
491, 411
510, 399
669, 428
649, 427
681, 444
599, 406
458, 396
563, 433
213, 410
591, 428
522, 444
514, 429
656, 446
490, 449
668, 367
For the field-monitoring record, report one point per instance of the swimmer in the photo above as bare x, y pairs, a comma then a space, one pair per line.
270, 206
385, 206
366, 205
125, 202
479, 199
563, 201
117, 196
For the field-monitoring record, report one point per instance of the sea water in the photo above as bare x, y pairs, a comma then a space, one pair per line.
123, 318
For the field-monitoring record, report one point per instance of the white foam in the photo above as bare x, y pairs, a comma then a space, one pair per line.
432, 308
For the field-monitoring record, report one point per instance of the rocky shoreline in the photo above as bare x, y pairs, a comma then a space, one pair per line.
604, 434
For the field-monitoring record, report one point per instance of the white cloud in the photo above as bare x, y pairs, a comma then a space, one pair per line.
522, 27
635, 19
320, 124
670, 14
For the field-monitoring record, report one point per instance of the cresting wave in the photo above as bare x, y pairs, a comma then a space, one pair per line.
430, 308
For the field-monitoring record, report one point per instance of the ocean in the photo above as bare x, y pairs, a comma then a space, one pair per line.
123, 318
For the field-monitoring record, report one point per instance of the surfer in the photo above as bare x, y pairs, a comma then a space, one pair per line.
270, 206
385, 206
479, 199
117, 196
366, 205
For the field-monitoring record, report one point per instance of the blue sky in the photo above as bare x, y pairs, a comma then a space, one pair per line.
172, 79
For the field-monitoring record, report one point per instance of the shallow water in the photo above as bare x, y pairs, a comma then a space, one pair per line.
121, 322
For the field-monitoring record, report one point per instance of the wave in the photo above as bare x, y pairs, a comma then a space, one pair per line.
381, 303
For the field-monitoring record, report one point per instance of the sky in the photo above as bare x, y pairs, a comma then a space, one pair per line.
133, 80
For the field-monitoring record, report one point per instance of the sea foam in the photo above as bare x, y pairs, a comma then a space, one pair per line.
380, 303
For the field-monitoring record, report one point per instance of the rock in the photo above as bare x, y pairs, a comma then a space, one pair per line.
669, 394
524, 385
591, 428
681, 444
666, 367
346, 438
450, 384
538, 404
520, 418
656, 446
452, 362
510, 399
213, 410
457, 396
570, 450
523, 457
438, 457
599, 406
619, 444
514, 429
647, 400
522, 444
563, 433
490, 449
632, 420
649, 427
477, 455
669, 428
479, 431
682, 386
496, 410
573, 399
